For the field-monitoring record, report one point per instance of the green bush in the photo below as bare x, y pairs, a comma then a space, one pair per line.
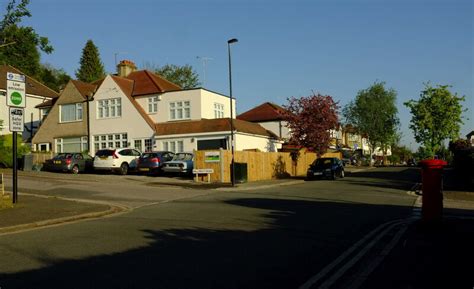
6, 151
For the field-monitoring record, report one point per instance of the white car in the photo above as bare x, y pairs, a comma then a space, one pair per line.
116, 160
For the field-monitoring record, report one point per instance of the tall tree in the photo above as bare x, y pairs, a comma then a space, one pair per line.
91, 67
21, 45
52, 77
436, 117
310, 120
184, 76
374, 114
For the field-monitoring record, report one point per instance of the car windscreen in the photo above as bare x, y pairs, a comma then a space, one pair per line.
182, 157
63, 156
104, 153
323, 163
148, 155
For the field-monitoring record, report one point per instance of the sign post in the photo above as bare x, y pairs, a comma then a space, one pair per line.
16, 100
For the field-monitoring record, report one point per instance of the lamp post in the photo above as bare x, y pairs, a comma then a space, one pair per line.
232, 164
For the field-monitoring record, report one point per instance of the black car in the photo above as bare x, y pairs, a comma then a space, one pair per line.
152, 162
331, 168
69, 162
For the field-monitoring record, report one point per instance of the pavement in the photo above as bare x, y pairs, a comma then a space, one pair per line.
424, 256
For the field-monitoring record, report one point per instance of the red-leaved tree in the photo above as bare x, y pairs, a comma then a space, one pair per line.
310, 120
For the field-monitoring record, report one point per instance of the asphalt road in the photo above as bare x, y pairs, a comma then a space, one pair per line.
269, 238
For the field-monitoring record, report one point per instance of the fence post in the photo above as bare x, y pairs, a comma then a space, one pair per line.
221, 164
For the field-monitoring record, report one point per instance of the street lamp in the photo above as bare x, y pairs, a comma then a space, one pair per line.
232, 168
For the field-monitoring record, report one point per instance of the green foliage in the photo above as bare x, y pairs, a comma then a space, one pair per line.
436, 116
423, 153
21, 45
6, 151
402, 153
54, 78
374, 114
183, 76
91, 67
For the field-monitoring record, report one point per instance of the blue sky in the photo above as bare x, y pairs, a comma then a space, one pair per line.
286, 48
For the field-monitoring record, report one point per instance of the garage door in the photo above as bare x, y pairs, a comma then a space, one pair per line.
211, 144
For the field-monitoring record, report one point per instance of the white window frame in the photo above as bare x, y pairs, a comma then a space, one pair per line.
77, 112
179, 110
59, 143
104, 141
47, 144
109, 108
176, 146
153, 104
218, 110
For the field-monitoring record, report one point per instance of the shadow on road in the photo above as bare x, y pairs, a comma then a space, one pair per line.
296, 240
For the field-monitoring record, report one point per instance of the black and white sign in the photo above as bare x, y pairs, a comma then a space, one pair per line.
16, 119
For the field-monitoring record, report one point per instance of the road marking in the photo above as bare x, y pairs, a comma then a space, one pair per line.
362, 277
339, 273
316, 278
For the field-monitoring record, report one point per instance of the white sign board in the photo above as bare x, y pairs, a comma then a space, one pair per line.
17, 121
16, 92
203, 171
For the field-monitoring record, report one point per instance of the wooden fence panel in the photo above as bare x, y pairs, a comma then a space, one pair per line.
260, 165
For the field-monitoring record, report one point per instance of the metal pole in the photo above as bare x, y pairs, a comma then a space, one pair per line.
232, 169
15, 170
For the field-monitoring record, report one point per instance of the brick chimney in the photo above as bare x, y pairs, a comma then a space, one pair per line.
125, 67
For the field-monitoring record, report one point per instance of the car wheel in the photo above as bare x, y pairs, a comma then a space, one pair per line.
123, 169
342, 174
75, 169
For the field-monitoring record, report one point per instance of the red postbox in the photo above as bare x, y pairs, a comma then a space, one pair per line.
432, 187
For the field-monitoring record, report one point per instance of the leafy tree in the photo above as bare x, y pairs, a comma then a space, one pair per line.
6, 152
54, 78
184, 76
91, 67
21, 46
436, 117
374, 114
401, 153
310, 120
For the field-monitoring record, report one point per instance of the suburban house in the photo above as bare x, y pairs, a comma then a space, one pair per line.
36, 93
270, 116
64, 128
142, 110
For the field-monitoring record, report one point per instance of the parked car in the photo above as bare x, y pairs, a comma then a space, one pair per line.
181, 163
152, 162
117, 160
326, 168
69, 162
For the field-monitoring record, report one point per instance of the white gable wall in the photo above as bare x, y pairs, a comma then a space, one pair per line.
130, 122
274, 126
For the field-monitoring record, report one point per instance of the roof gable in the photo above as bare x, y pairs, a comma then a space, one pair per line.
85, 89
265, 112
126, 86
33, 87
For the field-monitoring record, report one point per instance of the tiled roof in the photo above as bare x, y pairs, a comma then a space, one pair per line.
264, 112
32, 86
210, 125
147, 82
84, 88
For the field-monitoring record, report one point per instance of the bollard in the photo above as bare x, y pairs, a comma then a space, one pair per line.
432, 187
